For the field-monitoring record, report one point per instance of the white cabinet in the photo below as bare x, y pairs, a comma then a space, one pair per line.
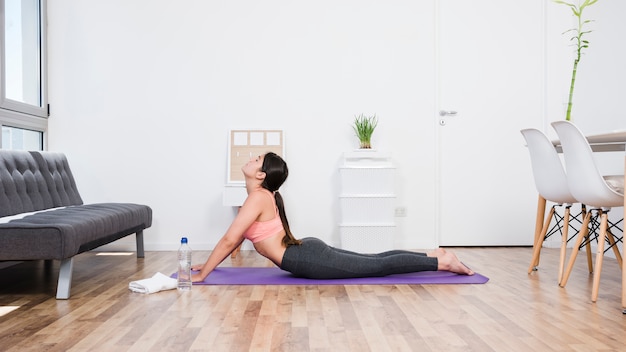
367, 201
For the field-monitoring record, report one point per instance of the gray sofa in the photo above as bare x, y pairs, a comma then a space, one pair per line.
42, 216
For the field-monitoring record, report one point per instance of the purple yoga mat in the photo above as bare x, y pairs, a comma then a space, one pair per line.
276, 276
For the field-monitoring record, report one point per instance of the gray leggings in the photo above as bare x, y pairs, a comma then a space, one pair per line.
314, 259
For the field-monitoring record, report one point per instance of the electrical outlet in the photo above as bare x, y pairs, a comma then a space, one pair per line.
400, 212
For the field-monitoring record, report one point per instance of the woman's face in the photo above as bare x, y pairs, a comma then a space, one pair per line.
253, 166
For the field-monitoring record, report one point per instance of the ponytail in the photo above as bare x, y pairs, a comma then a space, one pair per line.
276, 173
288, 239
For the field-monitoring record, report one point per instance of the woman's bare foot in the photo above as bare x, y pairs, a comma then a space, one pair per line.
437, 252
449, 262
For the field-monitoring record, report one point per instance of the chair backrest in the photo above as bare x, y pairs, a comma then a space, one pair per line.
548, 172
584, 179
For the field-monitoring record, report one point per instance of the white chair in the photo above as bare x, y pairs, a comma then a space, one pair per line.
551, 183
590, 187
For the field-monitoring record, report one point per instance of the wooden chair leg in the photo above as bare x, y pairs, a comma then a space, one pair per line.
589, 250
539, 222
584, 230
588, 243
564, 244
534, 262
599, 257
618, 256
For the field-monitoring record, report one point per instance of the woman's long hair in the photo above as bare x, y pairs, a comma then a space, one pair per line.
276, 172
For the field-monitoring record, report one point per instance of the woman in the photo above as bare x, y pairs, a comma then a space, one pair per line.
263, 221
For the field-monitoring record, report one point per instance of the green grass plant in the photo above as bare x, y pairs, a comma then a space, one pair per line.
364, 128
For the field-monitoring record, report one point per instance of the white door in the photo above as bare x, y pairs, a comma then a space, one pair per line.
490, 75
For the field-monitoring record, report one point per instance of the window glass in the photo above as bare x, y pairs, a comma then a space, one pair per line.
21, 139
22, 51
23, 91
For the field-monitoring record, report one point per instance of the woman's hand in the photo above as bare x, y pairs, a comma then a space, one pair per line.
195, 273
196, 277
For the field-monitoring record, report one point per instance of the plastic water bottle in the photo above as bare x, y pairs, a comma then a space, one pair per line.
184, 266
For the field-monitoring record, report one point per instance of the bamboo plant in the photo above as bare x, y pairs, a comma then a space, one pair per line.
579, 43
364, 128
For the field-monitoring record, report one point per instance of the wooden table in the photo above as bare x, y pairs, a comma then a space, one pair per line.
609, 142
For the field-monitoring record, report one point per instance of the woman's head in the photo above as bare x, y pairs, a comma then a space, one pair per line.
276, 171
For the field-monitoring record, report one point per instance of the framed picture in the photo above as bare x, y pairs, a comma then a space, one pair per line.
245, 144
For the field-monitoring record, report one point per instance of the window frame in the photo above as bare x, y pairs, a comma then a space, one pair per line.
18, 114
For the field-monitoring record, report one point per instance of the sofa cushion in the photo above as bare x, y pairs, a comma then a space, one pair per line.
23, 187
65, 232
56, 170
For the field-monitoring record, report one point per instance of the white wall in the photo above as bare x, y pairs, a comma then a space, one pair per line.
143, 94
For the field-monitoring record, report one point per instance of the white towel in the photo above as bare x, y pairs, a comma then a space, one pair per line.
156, 283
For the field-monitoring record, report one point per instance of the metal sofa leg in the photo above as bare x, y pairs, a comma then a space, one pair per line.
65, 278
139, 238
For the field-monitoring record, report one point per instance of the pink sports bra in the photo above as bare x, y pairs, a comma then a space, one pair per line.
260, 230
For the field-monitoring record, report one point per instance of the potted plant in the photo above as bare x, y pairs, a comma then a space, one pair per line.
364, 127
579, 43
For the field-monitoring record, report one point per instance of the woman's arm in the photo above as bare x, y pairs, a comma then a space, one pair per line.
248, 213
223, 248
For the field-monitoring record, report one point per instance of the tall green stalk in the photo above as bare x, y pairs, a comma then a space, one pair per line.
579, 42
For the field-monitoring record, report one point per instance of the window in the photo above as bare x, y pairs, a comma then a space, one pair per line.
23, 93
22, 139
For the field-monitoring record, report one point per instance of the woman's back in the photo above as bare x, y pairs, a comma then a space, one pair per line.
268, 244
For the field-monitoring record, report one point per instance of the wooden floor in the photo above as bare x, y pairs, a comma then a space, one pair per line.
514, 311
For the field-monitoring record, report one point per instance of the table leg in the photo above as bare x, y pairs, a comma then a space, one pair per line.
234, 253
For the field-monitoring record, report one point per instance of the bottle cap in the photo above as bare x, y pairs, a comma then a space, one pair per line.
183, 240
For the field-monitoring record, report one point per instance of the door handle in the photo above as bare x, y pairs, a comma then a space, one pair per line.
444, 114
447, 113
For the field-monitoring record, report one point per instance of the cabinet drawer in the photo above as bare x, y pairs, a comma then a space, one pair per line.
364, 180
367, 239
367, 209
